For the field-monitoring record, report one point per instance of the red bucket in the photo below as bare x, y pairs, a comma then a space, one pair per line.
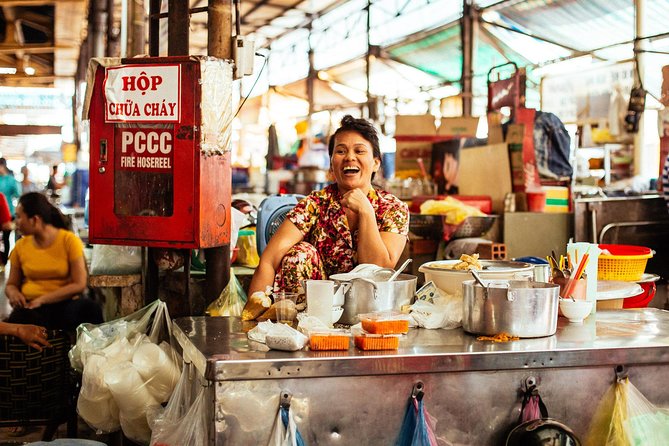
642, 299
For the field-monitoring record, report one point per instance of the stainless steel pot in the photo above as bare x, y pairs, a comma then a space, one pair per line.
366, 295
516, 307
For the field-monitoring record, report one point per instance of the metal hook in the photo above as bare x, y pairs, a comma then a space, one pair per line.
284, 399
418, 391
621, 372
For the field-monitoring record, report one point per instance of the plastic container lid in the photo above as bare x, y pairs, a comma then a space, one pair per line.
388, 315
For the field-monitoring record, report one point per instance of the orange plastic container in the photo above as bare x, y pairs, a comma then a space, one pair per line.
329, 341
385, 322
367, 341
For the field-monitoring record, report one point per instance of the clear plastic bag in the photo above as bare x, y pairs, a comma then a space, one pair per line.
109, 259
231, 301
191, 429
624, 417
127, 372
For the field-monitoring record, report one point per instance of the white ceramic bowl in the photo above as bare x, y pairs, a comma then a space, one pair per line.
336, 314
450, 280
575, 310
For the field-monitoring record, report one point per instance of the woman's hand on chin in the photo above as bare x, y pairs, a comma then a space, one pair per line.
357, 201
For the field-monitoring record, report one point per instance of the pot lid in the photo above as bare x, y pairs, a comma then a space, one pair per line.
492, 266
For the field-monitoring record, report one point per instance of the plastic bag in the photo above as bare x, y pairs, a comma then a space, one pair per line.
191, 429
231, 301
285, 431
127, 373
109, 259
92, 339
179, 403
417, 427
624, 417
248, 251
444, 312
283, 337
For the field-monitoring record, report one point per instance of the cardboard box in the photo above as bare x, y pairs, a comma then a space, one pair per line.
463, 126
485, 170
520, 137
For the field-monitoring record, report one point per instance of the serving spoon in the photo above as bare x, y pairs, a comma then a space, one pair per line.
399, 270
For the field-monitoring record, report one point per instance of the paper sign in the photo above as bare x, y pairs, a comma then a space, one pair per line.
143, 93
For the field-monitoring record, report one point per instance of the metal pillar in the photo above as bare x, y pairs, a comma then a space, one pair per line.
154, 28
311, 79
219, 26
98, 25
113, 48
178, 20
467, 36
371, 101
641, 164
219, 41
136, 21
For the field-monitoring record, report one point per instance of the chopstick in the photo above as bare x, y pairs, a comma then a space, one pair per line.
571, 283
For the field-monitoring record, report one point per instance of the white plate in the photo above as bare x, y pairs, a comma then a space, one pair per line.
615, 289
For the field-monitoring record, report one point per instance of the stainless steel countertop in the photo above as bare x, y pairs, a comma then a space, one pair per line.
219, 347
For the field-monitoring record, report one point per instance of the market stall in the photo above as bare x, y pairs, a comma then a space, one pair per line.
471, 387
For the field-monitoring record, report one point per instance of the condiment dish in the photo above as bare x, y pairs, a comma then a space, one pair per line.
575, 310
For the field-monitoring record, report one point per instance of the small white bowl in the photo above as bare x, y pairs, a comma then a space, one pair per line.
575, 310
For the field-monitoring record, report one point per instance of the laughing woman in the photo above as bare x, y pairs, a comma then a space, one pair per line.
346, 224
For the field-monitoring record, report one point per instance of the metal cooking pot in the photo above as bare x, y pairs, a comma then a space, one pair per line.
516, 307
366, 295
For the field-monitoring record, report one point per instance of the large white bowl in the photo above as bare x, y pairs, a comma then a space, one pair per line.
450, 280
575, 310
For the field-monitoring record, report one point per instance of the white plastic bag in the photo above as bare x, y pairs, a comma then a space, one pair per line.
283, 337
284, 435
116, 260
443, 312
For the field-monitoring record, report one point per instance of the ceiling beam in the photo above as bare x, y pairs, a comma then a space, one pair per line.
33, 48
16, 130
34, 2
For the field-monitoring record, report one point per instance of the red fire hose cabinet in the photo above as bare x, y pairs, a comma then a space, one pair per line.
160, 171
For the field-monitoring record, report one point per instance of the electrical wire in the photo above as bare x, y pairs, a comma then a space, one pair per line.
254, 83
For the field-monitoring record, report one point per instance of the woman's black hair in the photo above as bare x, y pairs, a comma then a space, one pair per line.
35, 203
361, 126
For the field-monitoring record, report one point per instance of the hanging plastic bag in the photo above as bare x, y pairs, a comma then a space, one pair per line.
624, 417
191, 429
116, 260
92, 339
285, 432
417, 426
231, 301
533, 407
179, 403
128, 370
248, 251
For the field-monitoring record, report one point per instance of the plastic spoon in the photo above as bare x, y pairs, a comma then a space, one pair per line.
399, 270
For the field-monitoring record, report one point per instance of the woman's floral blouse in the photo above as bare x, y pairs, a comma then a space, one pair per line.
321, 218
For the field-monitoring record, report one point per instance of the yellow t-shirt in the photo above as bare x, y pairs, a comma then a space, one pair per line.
46, 270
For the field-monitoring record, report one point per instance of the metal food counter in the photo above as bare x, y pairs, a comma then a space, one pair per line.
472, 388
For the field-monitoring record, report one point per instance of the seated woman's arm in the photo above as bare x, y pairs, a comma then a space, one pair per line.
285, 238
13, 285
31, 335
374, 246
77, 285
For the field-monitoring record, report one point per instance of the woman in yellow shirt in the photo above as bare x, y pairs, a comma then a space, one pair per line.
48, 271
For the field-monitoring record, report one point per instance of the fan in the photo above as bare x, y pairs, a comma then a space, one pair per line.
271, 214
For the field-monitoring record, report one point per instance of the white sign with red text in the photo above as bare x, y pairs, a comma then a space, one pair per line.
143, 93
144, 149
